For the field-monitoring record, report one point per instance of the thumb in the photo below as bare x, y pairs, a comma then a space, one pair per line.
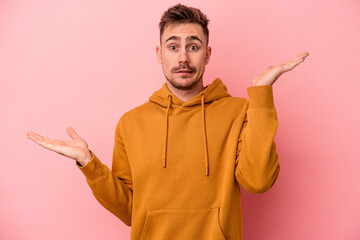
72, 133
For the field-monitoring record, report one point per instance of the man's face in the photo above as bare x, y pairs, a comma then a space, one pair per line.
183, 54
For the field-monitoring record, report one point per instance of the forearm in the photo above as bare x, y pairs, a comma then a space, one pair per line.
111, 192
257, 161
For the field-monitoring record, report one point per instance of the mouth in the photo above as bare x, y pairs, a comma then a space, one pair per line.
184, 71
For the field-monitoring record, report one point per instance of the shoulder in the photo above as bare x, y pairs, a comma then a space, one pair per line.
142, 109
237, 100
230, 108
232, 102
140, 112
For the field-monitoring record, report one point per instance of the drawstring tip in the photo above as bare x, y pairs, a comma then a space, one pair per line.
164, 163
207, 171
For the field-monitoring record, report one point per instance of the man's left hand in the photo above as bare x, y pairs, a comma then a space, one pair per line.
272, 73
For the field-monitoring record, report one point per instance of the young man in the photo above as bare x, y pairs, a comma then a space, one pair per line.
178, 158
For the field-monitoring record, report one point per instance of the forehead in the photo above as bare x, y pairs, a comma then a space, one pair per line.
183, 30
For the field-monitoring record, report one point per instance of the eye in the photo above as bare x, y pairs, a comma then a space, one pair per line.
172, 47
193, 48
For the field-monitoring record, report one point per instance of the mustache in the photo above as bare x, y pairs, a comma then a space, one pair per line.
183, 67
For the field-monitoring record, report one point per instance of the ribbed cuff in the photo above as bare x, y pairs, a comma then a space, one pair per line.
261, 97
93, 169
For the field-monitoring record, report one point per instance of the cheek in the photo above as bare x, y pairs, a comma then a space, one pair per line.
166, 61
166, 65
201, 62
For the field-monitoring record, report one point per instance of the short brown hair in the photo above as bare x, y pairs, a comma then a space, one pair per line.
183, 14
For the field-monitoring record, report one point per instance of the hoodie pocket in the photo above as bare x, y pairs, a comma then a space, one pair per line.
180, 224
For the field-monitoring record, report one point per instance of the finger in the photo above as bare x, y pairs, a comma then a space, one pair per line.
290, 65
72, 133
31, 133
49, 146
294, 62
301, 57
38, 138
33, 136
49, 143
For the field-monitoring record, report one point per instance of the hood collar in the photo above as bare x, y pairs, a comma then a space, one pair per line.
212, 92
216, 90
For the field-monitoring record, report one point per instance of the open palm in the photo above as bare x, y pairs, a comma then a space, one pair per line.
272, 73
76, 149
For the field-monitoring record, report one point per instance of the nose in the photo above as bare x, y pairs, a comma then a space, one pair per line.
183, 57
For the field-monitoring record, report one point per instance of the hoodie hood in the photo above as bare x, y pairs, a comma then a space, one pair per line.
216, 90
166, 99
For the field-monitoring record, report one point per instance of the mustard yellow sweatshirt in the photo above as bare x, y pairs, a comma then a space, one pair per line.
177, 165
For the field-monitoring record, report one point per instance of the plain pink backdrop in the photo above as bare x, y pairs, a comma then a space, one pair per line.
84, 63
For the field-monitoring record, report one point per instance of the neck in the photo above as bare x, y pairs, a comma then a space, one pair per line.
186, 95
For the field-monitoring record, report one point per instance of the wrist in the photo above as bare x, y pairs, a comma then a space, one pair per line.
260, 84
87, 157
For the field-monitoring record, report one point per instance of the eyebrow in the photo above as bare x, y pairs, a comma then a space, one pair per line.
187, 39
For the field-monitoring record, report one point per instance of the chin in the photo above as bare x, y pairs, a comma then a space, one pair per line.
184, 83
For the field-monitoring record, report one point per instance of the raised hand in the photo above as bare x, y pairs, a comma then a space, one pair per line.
272, 73
76, 149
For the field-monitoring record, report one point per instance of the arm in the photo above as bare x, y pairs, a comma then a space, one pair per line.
113, 189
257, 163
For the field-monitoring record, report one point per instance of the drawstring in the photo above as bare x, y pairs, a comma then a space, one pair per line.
166, 130
204, 135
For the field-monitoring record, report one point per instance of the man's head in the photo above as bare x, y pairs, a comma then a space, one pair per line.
183, 50
183, 14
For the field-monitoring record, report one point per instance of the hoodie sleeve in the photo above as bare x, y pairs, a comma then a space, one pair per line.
113, 189
257, 163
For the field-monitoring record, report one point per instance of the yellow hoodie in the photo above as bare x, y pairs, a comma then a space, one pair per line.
177, 165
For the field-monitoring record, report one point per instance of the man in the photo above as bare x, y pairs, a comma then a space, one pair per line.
178, 158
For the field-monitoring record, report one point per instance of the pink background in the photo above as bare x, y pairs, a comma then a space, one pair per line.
85, 63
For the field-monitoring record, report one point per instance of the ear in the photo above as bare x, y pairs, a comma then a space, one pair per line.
158, 53
208, 55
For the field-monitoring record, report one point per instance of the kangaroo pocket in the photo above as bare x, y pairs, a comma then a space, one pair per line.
180, 224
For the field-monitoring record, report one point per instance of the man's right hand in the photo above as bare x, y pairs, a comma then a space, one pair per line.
76, 149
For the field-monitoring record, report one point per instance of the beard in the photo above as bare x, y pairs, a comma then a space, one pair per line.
185, 84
